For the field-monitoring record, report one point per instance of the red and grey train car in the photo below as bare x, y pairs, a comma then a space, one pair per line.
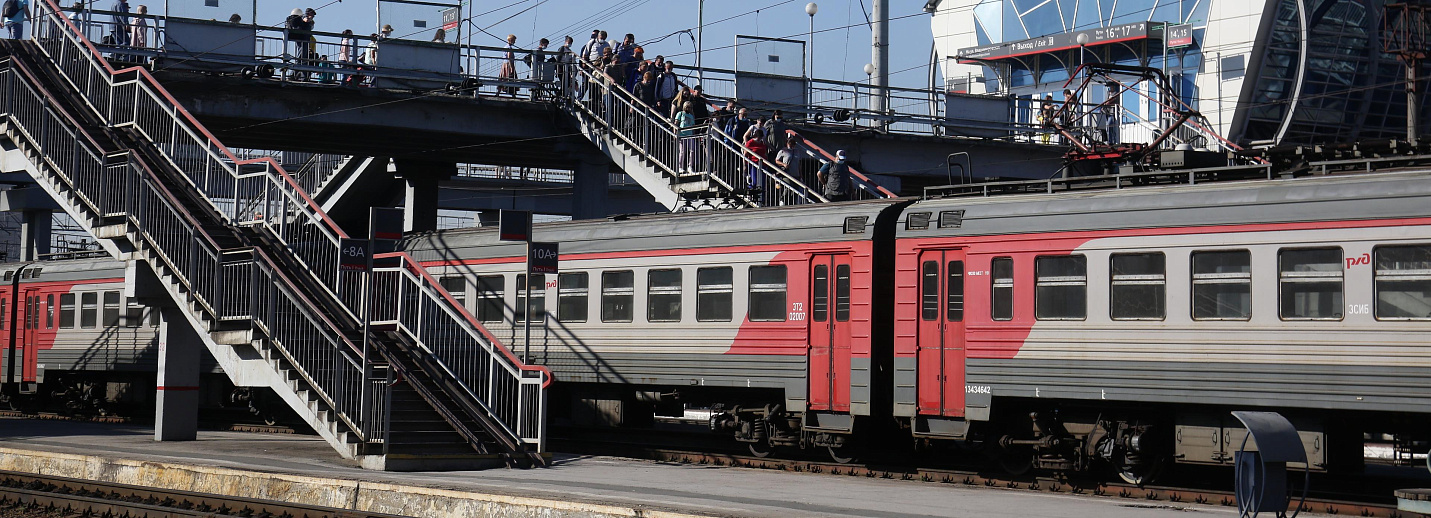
1065, 331
769, 313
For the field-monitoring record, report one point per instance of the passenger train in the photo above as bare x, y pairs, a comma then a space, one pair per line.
1098, 330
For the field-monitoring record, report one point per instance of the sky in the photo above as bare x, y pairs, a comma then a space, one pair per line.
842, 39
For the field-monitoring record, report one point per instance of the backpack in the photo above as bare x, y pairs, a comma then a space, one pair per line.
12, 8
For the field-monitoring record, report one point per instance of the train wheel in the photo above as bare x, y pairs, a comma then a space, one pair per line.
1140, 474
841, 455
761, 449
1013, 460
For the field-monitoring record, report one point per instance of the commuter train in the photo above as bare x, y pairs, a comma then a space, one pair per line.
1091, 330
86, 348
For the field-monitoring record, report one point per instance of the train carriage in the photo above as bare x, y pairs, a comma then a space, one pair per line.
1138, 318
769, 314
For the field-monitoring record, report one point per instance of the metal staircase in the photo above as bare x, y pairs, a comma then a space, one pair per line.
252, 239
645, 144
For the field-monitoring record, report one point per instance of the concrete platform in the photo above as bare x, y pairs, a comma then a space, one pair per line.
304, 468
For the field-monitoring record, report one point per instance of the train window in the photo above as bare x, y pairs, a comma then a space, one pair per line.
572, 297
1061, 287
67, 311
955, 304
538, 305
929, 291
489, 297
133, 312
4, 321
457, 287
713, 294
842, 293
767, 294
820, 301
89, 310
618, 291
663, 296
1137, 287
1311, 284
1403, 282
1001, 296
111, 308
1222, 285
50, 312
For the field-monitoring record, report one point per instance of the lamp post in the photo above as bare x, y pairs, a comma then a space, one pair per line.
810, 9
869, 81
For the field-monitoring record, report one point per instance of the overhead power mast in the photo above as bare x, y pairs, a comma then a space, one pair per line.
1404, 27
880, 53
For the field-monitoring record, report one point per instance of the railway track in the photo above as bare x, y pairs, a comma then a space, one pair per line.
60, 496
1153, 496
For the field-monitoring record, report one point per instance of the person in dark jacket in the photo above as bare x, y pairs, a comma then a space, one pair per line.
834, 178
119, 27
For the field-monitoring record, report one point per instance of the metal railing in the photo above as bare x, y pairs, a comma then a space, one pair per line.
120, 187
413, 300
262, 193
738, 173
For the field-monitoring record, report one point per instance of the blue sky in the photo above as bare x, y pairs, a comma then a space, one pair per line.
840, 53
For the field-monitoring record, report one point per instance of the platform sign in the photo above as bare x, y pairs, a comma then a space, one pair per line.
542, 258
1179, 35
451, 18
352, 254
514, 225
385, 225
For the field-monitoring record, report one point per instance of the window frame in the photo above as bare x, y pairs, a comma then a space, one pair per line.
110, 313
538, 292
1141, 279
727, 288
997, 283
618, 291
664, 291
459, 295
488, 300
93, 310
1210, 278
71, 307
582, 292
1376, 278
753, 288
1058, 281
1339, 273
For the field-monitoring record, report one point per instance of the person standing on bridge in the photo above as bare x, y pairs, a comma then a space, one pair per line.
15, 13
834, 178
775, 131
668, 85
685, 122
139, 30
755, 154
119, 29
509, 66
566, 59
788, 158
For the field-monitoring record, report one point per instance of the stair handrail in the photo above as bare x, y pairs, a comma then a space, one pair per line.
658, 141
218, 171
202, 272
279, 188
413, 294
858, 179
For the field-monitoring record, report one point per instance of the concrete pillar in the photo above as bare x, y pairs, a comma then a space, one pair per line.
35, 234
421, 182
591, 179
176, 402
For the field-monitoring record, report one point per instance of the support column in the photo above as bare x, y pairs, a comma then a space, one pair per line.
591, 179
880, 55
421, 182
35, 234
176, 402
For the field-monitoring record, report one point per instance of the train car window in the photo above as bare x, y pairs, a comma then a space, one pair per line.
955, 305
1001, 296
842, 293
89, 310
456, 286
618, 292
133, 312
767, 293
663, 296
1403, 282
1137, 287
111, 308
4, 302
489, 297
714, 287
1222, 285
820, 301
50, 312
572, 297
1061, 287
929, 291
1311, 284
537, 307
67, 311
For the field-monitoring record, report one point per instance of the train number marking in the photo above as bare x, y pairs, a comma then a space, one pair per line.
978, 389
797, 316
1358, 260
1358, 309
977, 273
797, 306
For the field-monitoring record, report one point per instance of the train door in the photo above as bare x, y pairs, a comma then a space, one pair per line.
830, 332
941, 333
30, 332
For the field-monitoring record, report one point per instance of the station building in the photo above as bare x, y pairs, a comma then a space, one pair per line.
1260, 71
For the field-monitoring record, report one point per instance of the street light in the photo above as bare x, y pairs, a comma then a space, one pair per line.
810, 9
869, 80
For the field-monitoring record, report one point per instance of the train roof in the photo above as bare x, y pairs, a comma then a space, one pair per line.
64, 270
1321, 198
744, 227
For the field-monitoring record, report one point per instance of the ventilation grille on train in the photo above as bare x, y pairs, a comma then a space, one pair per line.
856, 224
951, 219
917, 221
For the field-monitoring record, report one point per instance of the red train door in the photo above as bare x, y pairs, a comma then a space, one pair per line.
941, 333
30, 333
830, 332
